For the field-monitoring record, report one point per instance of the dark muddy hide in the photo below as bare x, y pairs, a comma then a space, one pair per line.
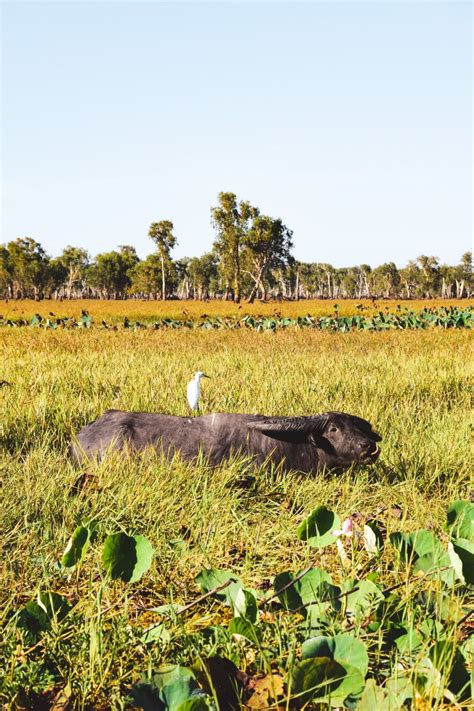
334, 440
347, 439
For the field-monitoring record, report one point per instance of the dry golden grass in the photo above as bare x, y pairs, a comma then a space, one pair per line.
136, 309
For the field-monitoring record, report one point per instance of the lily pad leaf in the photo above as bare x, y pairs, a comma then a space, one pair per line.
315, 678
374, 697
313, 587
127, 557
156, 633
465, 551
416, 545
317, 528
364, 597
408, 641
210, 578
167, 688
450, 662
245, 605
77, 546
460, 520
350, 653
197, 703
38, 615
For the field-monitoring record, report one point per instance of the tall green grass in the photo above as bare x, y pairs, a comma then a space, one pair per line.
413, 387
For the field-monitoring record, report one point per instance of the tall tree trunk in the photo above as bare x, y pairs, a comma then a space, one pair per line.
459, 288
237, 294
163, 282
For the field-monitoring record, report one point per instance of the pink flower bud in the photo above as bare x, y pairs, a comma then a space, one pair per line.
348, 527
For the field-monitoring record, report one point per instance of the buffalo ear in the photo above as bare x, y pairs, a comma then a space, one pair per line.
298, 430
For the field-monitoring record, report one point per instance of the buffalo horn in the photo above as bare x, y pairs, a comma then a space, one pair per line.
297, 425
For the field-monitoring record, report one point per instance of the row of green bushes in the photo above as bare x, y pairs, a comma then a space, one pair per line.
443, 317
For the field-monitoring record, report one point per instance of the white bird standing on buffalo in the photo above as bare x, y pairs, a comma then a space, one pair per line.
194, 390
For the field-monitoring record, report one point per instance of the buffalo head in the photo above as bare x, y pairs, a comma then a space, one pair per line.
339, 439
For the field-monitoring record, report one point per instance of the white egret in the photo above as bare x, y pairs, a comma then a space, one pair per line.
194, 390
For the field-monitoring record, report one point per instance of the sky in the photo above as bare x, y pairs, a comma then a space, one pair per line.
351, 121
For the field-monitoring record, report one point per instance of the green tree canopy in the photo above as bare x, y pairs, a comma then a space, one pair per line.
162, 235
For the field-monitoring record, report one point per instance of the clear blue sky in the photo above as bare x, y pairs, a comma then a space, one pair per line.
352, 121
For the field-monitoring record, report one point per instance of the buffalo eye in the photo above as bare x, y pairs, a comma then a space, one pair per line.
333, 429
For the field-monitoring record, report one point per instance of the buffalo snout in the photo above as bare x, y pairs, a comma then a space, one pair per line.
369, 449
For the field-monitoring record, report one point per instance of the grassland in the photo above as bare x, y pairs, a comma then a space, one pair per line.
413, 386
135, 309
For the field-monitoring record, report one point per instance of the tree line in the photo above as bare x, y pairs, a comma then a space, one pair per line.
251, 257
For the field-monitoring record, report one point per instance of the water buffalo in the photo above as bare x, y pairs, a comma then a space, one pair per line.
334, 440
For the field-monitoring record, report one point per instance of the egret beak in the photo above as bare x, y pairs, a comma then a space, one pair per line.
206, 376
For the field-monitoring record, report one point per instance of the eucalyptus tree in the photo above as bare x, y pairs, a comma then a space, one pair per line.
231, 221
410, 277
146, 277
181, 268
162, 235
55, 277
111, 272
266, 245
75, 260
5, 272
363, 281
28, 262
464, 276
385, 280
429, 275
203, 275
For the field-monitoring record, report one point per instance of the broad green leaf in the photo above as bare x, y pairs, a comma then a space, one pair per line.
210, 578
77, 546
456, 563
347, 651
432, 629
319, 616
409, 641
317, 647
220, 678
350, 653
127, 557
317, 528
446, 657
315, 678
416, 545
465, 551
399, 689
37, 616
157, 633
374, 697
33, 619
289, 598
197, 703
316, 585
167, 688
435, 562
365, 598
460, 520
245, 605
